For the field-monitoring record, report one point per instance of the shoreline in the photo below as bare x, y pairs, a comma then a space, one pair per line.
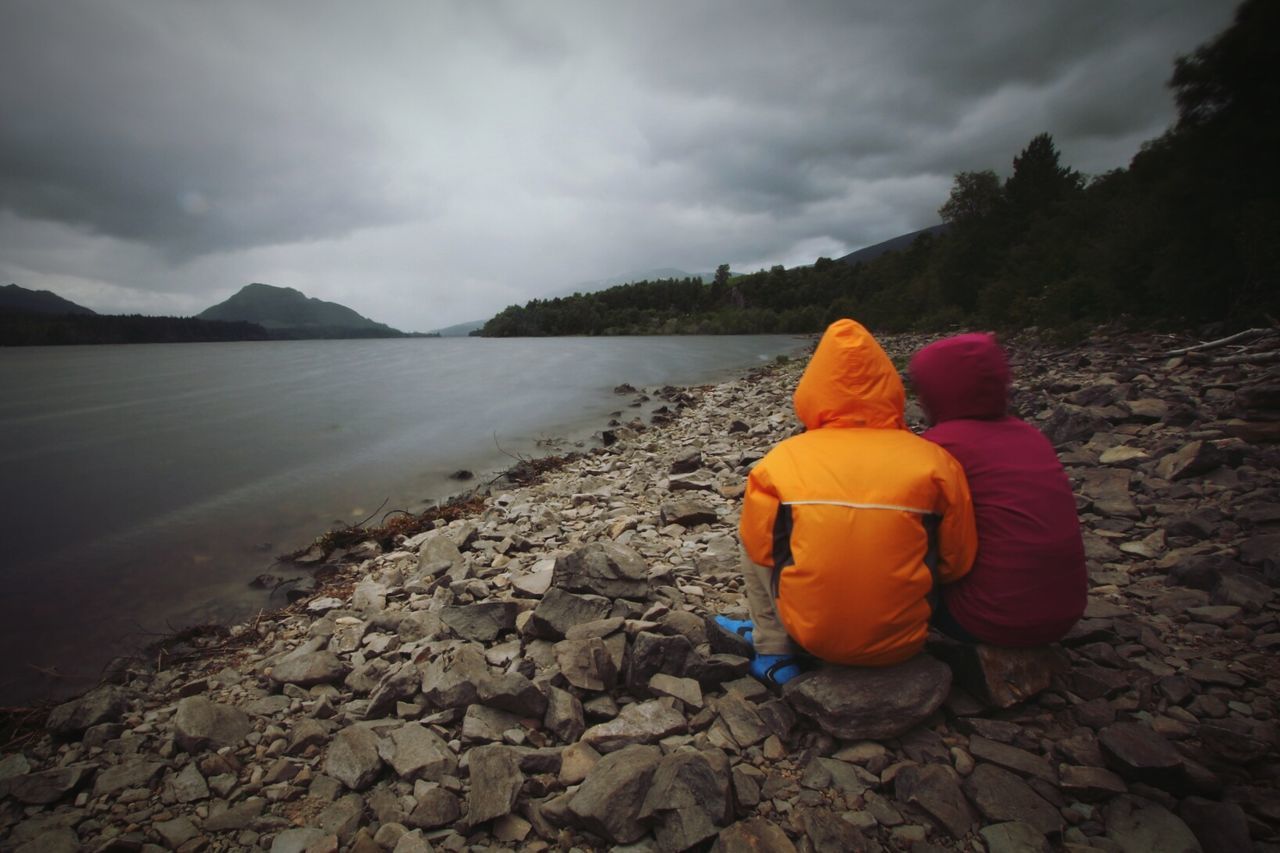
136, 574
1176, 650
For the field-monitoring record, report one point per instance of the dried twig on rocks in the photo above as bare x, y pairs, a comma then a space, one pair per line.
21, 724
1247, 334
1268, 357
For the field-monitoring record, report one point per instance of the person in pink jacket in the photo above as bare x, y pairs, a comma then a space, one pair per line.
1029, 583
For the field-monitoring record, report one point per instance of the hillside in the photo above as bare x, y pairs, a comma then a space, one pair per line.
286, 312
868, 254
20, 300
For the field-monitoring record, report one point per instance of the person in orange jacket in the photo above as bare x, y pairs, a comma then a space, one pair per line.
848, 528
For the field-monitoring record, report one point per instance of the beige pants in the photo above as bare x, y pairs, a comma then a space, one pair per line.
768, 636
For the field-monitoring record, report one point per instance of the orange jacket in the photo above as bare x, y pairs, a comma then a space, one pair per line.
851, 514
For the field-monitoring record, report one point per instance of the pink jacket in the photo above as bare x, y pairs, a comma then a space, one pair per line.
1029, 583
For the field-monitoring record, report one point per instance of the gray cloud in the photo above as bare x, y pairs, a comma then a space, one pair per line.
429, 163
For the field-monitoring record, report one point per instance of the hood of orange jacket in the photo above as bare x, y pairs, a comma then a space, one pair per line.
850, 382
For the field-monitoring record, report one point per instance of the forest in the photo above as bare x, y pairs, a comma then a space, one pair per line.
1185, 236
20, 329
23, 329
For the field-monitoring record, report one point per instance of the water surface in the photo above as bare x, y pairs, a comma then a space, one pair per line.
144, 486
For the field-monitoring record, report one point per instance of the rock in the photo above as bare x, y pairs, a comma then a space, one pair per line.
1219, 827
299, 840
104, 704
309, 668
1261, 550
1197, 457
434, 808
132, 773
1015, 837
399, 683
742, 720
369, 596
495, 783
564, 717
686, 690
187, 786
686, 462
687, 512
700, 482
353, 758
536, 581
176, 832
1069, 423
235, 817
482, 622
452, 681
1202, 572
438, 548
1140, 755
410, 842
936, 789
1123, 455
689, 798
342, 817
1243, 591
1149, 409
639, 723
603, 568
869, 704
1012, 758
754, 834
306, 733
609, 801
657, 653
586, 664
417, 752
826, 831
1109, 489
1090, 783
48, 786
511, 691
1001, 677
1141, 826
200, 724
487, 724
1001, 796
558, 611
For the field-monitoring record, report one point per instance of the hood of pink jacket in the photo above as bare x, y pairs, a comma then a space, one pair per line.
965, 376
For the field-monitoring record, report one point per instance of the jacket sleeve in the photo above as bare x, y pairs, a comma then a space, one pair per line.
957, 535
759, 510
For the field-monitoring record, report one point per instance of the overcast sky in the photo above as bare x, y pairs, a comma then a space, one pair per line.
428, 163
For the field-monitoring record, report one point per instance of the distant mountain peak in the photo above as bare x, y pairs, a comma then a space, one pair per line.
276, 308
21, 300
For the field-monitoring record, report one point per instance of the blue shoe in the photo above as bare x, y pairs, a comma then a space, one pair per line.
775, 670
742, 627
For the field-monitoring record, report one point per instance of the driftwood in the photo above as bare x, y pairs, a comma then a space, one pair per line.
1246, 335
1268, 357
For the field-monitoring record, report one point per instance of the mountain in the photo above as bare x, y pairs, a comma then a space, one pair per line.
459, 330
286, 312
20, 300
896, 244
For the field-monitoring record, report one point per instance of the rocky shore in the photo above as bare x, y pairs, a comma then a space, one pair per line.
545, 673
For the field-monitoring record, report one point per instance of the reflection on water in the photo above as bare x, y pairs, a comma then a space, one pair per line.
144, 486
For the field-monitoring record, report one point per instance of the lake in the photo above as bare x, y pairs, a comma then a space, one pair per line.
144, 486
